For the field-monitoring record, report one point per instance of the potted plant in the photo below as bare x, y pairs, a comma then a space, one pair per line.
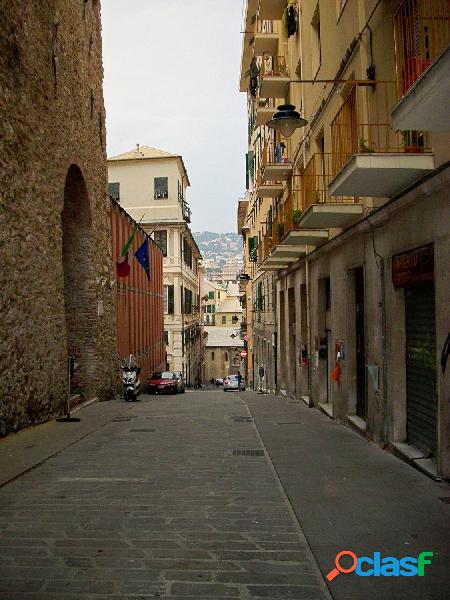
363, 146
296, 216
410, 141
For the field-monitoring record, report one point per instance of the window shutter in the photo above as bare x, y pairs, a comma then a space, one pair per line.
170, 299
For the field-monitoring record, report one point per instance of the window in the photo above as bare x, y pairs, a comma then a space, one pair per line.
207, 319
211, 295
160, 238
218, 295
226, 356
114, 191
212, 355
168, 299
224, 320
187, 301
315, 41
180, 191
166, 337
187, 253
161, 185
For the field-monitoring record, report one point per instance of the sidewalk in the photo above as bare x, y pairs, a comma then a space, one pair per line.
22, 451
351, 495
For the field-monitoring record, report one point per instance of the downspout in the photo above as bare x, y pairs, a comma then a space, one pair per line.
308, 326
384, 354
379, 260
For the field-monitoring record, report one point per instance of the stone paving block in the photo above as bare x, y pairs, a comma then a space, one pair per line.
286, 592
206, 590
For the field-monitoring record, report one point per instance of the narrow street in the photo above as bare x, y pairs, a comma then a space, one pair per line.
178, 497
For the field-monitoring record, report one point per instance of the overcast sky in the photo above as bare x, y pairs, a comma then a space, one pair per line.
171, 82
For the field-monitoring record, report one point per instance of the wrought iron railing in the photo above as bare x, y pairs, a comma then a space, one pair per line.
421, 33
311, 187
362, 124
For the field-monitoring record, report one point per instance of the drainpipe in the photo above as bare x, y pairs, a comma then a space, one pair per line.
308, 326
384, 353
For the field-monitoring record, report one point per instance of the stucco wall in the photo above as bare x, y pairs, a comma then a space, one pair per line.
51, 117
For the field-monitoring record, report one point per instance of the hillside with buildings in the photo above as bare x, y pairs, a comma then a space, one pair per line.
220, 251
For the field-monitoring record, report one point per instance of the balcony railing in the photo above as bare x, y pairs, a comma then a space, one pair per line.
362, 125
421, 33
311, 187
275, 154
186, 212
273, 66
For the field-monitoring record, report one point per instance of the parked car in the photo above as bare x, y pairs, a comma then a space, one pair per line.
181, 382
162, 382
231, 382
219, 381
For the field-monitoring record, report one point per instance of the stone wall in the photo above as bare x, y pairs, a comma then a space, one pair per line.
53, 184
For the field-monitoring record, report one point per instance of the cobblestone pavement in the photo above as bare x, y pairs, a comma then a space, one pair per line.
165, 500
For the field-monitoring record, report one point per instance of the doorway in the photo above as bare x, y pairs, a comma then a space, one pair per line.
79, 283
421, 393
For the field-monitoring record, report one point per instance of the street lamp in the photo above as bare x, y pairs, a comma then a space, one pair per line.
286, 120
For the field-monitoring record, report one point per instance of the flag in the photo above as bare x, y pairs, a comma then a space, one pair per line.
142, 257
123, 264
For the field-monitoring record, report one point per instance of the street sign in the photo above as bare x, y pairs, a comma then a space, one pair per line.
243, 353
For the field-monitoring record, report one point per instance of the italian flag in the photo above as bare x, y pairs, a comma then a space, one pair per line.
123, 264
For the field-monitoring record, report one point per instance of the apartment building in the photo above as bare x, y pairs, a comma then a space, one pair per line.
348, 210
151, 185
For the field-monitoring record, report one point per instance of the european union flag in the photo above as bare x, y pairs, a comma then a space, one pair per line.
142, 257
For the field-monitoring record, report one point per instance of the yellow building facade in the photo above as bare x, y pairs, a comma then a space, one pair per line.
348, 214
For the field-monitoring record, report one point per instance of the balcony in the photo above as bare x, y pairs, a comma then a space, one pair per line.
268, 189
273, 77
264, 110
317, 209
369, 159
271, 9
276, 166
266, 37
186, 212
422, 56
293, 237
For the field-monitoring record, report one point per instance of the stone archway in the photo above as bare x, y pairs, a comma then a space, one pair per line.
79, 282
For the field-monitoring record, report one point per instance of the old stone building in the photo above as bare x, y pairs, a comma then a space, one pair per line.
55, 280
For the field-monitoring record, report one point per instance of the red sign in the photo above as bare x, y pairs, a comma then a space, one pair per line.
243, 353
416, 266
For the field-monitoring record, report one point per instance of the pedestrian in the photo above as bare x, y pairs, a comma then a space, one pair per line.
239, 379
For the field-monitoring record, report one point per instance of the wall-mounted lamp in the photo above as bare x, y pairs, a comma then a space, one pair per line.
286, 120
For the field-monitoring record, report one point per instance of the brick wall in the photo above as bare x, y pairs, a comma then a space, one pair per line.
54, 211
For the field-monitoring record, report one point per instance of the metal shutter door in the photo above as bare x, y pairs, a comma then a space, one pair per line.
421, 397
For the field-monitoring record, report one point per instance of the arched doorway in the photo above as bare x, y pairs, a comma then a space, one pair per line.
79, 282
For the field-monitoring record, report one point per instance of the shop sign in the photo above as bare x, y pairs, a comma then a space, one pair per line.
415, 266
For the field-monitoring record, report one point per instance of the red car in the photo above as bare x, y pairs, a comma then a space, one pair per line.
162, 382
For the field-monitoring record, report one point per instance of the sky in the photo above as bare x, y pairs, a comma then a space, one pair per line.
172, 82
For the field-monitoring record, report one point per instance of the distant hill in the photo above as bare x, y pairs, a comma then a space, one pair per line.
218, 248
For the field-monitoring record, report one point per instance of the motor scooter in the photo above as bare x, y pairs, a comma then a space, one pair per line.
131, 385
